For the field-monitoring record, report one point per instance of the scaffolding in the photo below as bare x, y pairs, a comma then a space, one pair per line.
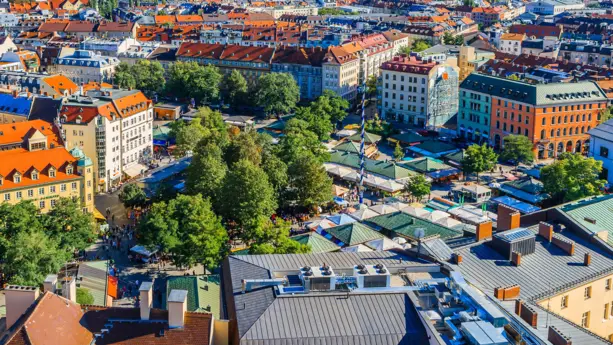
443, 97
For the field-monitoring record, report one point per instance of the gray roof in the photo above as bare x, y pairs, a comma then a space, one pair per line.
332, 319
539, 94
263, 318
544, 320
545, 271
603, 131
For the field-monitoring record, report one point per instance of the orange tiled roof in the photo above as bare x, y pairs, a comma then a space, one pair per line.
19, 132
189, 18
92, 85
25, 162
512, 37
165, 19
60, 83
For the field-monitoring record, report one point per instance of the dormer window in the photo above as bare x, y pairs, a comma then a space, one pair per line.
34, 175
69, 170
17, 178
51, 172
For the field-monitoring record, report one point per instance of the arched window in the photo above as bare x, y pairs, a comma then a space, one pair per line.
583, 117
565, 119
564, 131
542, 134
552, 134
553, 120
558, 133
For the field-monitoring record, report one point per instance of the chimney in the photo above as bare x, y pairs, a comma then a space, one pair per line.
518, 305
508, 218
484, 231
587, 259
69, 289
177, 306
18, 300
457, 258
556, 337
566, 245
146, 298
50, 283
15, 93
546, 231
516, 258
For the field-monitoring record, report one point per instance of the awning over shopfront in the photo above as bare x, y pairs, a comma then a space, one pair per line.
135, 170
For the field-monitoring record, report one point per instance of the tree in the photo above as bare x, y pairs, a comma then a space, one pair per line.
243, 146
379, 127
273, 238
132, 195
234, 88
187, 229
335, 105
371, 84
469, 3
214, 127
123, 76
66, 223
84, 296
478, 158
31, 256
398, 152
246, 194
191, 80
149, 76
277, 93
417, 186
309, 184
319, 121
299, 141
276, 170
572, 177
206, 173
605, 115
459, 40
517, 148
188, 136
405, 50
420, 45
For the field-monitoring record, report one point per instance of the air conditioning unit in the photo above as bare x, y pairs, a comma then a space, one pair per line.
372, 276
318, 278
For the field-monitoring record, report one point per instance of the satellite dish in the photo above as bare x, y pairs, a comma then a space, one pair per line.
419, 233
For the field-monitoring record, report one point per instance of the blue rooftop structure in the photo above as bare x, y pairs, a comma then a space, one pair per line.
15, 105
521, 206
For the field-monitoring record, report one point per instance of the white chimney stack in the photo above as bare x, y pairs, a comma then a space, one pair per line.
18, 300
177, 306
146, 299
50, 283
69, 289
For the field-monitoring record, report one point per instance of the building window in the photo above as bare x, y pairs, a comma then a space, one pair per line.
41, 204
587, 293
543, 122
585, 319
18, 195
604, 152
63, 187
74, 186
69, 170
34, 175
52, 203
7, 196
30, 193
51, 172
41, 191
51, 189
607, 284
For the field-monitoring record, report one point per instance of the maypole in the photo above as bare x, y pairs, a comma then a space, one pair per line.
361, 186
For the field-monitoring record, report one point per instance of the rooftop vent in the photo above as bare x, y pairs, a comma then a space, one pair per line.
520, 240
590, 220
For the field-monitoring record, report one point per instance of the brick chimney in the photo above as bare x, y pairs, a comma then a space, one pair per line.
484, 230
587, 259
516, 258
18, 300
546, 231
457, 258
566, 245
146, 299
518, 305
177, 306
50, 283
508, 218
528, 314
556, 337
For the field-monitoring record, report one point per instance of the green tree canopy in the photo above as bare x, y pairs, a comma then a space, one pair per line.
398, 152
276, 170
149, 76
123, 76
277, 93
186, 228
309, 184
66, 223
243, 146
420, 45
319, 121
417, 186
191, 80
234, 88
206, 173
246, 194
84, 296
187, 137
273, 238
371, 84
132, 195
479, 158
572, 177
299, 141
333, 104
517, 148
605, 115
